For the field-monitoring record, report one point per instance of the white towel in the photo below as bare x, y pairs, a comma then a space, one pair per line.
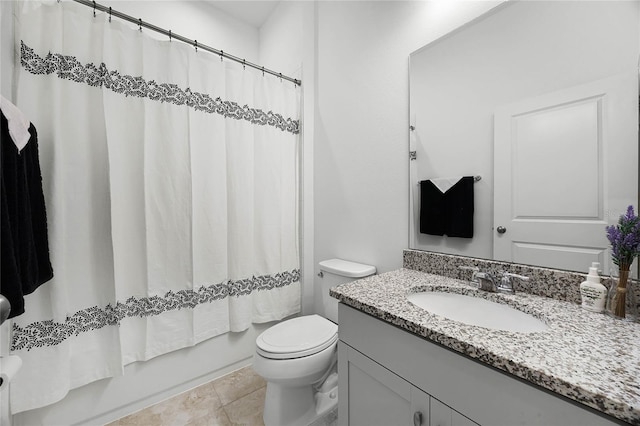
17, 122
445, 184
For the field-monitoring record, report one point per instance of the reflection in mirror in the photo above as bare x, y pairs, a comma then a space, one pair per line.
540, 99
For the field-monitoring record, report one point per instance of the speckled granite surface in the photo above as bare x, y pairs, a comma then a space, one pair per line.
587, 357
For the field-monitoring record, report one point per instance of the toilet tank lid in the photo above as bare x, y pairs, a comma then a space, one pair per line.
346, 268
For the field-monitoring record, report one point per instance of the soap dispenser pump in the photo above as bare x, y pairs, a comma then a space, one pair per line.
593, 293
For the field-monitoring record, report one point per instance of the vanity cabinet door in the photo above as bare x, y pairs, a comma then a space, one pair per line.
420, 407
374, 396
440, 413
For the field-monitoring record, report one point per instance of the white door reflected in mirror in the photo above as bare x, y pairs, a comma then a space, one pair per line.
556, 172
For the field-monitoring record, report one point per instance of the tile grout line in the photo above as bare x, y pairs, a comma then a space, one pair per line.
243, 396
230, 416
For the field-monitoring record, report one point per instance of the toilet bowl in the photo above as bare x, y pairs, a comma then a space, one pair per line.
298, 357
294, 357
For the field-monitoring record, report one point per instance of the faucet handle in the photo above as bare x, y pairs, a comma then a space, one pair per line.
506, 286
486, 281
474, 276
484, 275
510, 275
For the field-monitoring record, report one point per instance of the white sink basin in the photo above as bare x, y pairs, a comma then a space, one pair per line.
476, 311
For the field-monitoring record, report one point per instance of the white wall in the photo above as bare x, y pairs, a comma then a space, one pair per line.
287, 41
196, 20
145, 383
361, 127
6, 48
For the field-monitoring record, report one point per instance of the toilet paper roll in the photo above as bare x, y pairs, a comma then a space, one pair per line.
9, 366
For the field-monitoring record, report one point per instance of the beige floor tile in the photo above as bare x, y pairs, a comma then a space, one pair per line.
186, 407
217, 418
175, 411
247, 411
201, 401
142, 418
235, 399
238, 384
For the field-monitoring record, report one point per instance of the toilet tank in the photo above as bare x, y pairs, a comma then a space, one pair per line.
335, 272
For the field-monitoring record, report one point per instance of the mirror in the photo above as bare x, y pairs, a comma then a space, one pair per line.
540, 100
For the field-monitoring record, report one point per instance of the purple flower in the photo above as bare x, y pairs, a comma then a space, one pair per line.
625, 238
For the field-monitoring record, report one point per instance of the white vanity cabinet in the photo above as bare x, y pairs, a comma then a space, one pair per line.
386, 375
376, 396
379, 397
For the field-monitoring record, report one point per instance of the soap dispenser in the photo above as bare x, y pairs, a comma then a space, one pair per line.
593, 293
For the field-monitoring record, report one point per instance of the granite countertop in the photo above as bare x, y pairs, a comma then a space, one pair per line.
588, 357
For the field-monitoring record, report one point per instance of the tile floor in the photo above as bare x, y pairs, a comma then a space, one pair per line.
234, 399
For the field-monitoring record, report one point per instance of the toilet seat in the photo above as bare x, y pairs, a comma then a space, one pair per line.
297, 338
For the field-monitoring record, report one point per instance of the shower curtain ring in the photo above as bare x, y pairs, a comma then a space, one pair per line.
280, 77
109, 13
94, 8
140, 24
169, 35
263, 71
243, 64
221, 55
195, 44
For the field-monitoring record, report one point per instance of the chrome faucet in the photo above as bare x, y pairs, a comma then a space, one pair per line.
487, 282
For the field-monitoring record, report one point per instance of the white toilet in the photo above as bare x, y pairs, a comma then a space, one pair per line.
298, 357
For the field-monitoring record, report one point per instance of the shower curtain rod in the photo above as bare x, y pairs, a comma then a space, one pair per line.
172, 35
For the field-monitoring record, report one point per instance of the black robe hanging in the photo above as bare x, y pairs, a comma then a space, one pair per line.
23, 240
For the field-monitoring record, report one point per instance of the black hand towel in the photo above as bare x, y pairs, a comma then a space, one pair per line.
447, 213
24, 239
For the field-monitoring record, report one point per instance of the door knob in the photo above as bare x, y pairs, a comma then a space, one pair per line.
501, 229
417, 418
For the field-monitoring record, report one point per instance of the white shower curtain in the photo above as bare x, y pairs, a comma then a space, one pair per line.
171, 185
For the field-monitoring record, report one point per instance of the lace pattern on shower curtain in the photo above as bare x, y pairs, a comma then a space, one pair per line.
68, 67
50, 333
